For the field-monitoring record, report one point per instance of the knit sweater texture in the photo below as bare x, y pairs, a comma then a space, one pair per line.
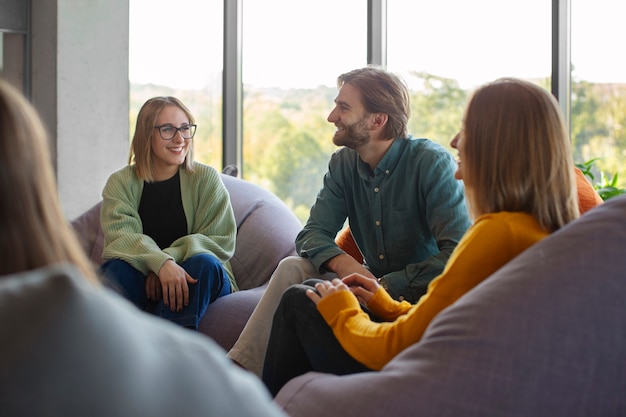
492, 241
211, 223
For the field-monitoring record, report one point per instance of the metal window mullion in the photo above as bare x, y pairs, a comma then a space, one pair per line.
561, 56
232, 85
377, 33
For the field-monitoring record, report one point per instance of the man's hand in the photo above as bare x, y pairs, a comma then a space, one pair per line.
363, 287
325, 289
344, 265
174, 285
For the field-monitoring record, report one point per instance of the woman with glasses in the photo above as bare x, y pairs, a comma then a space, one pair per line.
169, 228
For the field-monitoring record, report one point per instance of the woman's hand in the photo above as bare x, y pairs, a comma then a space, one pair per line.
325, 289
153, 287
362, 287
174, 285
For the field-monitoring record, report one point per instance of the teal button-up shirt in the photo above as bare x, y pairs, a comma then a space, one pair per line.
406, 216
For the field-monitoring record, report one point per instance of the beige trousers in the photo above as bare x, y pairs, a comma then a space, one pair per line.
250, 348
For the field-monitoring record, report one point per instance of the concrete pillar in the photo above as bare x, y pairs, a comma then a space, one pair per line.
80, 87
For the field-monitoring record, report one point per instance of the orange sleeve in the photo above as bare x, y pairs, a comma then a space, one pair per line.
346, 243
588, 198
386, 308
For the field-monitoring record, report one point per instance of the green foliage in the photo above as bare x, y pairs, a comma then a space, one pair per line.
598, 124
287, 143
585, 126
606, 187
295, 167
287, 139
436, 108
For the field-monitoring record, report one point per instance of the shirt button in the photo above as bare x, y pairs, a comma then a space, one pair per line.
401, 298
376, 189
377, 222
387, 171
381, 256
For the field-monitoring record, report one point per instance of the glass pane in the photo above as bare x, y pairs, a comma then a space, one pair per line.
14, 15
599, 87
175, 49
290, 69
445, 49
12, 47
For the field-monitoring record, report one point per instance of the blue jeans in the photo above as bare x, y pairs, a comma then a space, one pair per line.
301, 341
212, 283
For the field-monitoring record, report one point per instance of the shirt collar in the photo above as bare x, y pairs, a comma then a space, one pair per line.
387, 163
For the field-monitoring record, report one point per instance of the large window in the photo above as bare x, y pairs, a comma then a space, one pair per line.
445, 49
598, 120
176, 49
293, 52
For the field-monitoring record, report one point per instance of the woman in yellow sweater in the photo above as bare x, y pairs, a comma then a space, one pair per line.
516, 163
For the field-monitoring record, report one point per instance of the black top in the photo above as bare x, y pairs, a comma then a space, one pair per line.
161, 211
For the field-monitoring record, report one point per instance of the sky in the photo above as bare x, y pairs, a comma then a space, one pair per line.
179, 43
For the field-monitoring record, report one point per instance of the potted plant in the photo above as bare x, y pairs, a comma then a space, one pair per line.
606, 187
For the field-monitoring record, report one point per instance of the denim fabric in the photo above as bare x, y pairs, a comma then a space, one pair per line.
212, 283
301, 341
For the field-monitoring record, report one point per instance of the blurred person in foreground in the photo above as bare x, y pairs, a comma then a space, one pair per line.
70, 345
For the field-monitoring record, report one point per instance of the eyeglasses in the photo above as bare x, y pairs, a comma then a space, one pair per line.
168, 132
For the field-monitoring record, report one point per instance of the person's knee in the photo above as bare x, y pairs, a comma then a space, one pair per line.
312, 281
204, 267
116, 273
294, 305
296, 264
210, 274
203, 260
278, 285
293, 270
295, 294
116, 266
123, 278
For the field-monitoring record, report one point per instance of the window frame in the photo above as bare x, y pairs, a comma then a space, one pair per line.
232, 88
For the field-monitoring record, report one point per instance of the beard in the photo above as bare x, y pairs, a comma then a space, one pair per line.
353, 136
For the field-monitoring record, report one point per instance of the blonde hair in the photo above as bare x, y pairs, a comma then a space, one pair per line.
517, 154
141, 145
34, 232
383, 92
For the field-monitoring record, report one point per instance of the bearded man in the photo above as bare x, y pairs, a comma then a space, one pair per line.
404, 207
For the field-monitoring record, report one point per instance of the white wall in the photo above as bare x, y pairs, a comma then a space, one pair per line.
80, 87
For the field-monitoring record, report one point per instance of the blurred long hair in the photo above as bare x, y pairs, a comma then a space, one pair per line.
34, 232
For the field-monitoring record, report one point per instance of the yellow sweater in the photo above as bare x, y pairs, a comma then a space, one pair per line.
492, 241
